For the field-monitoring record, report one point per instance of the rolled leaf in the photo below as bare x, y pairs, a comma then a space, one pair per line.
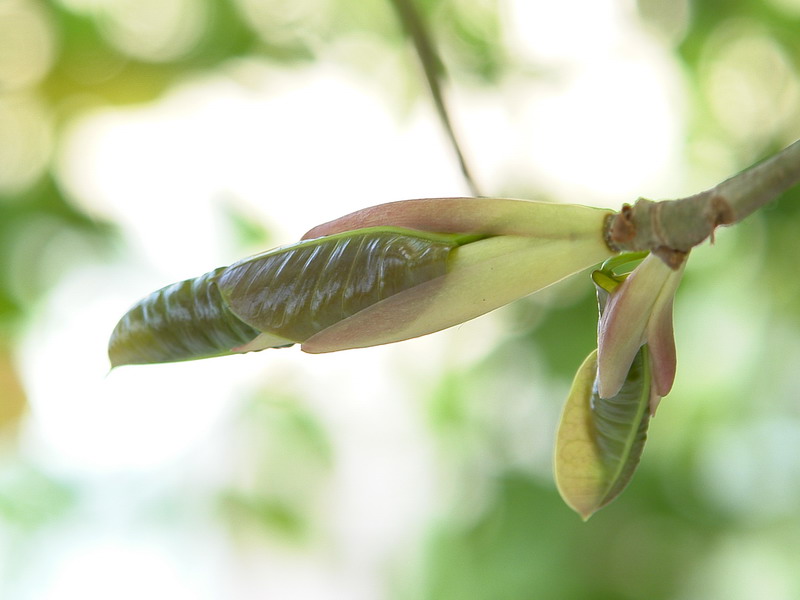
531, 245
278, 297
600, 441
305, 288
182, 321
380, 275
481, 277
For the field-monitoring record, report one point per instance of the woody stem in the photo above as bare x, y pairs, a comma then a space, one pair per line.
671, 228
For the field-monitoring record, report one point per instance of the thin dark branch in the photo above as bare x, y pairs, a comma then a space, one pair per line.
435, 73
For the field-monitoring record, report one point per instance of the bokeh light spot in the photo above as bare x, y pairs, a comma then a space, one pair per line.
670, 19
790, 8
27, 45
284, 23
25, 141
149, 30
749, 82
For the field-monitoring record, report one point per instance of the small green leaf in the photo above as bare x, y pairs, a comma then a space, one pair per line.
622, 263
600, 441
606, 282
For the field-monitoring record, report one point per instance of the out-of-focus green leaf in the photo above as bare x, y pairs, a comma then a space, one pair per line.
246, 229
12, 396
29, 499
278, 487
273, 515
600, 441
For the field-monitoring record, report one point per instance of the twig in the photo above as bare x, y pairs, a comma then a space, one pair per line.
434, 73
671, 228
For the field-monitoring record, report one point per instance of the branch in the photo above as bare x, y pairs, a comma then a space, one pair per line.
671, 228
434, 73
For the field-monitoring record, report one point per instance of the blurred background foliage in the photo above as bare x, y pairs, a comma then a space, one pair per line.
713, 510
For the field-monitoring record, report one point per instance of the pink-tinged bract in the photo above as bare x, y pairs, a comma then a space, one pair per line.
639, 311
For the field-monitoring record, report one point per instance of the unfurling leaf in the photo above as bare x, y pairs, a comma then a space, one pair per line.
279, 297
599, 441
181, 321
384, 274
639, 311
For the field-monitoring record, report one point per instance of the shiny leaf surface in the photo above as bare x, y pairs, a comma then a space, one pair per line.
181, 321
278, 297
600, 441
481, 277
384, 274
297, 291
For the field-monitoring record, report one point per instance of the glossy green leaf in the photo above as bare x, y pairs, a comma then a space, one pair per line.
182, 321
599, 441
305, 288
380, 275
481, 277
531, 245
278, 297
